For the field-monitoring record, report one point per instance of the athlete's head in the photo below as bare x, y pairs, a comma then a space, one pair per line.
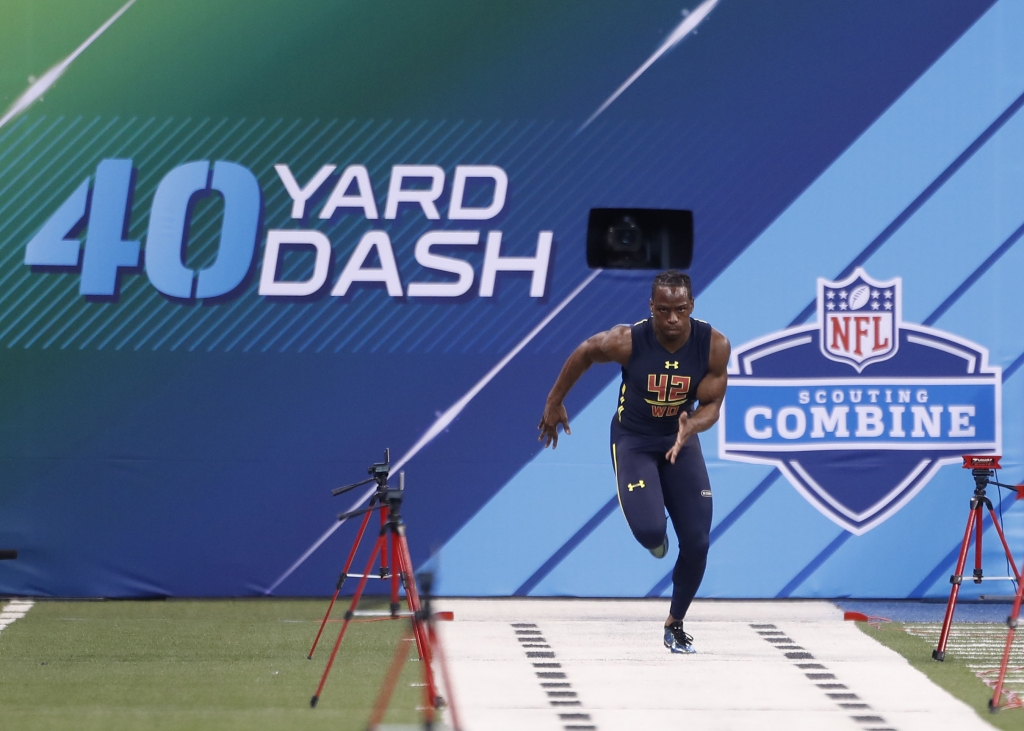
671, 303
672, 278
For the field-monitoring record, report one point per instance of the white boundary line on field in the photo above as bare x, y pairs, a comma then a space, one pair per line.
15, 609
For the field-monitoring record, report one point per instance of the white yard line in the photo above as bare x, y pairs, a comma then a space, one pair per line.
15, 610
765, 665
980, 646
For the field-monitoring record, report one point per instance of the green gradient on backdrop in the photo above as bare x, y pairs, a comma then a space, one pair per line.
36, 34
325, 58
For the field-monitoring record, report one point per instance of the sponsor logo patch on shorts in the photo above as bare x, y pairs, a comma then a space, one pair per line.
705, 493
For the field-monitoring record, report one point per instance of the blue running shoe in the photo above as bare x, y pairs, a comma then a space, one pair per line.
678, 641
661, 550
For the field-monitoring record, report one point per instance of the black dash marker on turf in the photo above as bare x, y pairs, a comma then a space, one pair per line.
533, 638
846, 701
763, 626
523, 624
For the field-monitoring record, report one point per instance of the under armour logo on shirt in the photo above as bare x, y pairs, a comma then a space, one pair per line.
672, 364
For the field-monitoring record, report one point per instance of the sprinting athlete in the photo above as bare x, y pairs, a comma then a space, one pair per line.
670, 363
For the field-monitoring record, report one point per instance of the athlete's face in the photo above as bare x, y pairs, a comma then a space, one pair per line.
670, 311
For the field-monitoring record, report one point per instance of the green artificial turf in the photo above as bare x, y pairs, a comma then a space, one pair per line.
952, 674
207, 665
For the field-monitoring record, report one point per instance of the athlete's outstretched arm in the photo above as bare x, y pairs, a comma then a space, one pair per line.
605, 347
710, 393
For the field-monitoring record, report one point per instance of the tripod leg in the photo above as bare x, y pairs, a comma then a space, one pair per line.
977, 546
1011, 623
341, 580
1006, 547
348, 618
394, 580
384, 568
939, 653
380, 706
412, 598
419, 627
435, 642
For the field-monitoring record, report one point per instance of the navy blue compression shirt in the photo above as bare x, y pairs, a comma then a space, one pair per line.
657, 384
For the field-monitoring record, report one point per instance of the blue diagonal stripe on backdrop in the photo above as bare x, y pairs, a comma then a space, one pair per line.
1012, 368
975, 276
921, 199
567, 548
813, 565
943, 566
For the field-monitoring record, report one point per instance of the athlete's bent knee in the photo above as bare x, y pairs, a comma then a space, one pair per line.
694, 544
651, 535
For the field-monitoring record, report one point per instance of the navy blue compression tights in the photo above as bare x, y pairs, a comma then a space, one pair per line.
649, 484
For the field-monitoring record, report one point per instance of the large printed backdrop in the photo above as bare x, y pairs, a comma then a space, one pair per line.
170, 433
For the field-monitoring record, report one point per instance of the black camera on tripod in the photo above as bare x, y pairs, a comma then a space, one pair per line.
379, 469
385, 495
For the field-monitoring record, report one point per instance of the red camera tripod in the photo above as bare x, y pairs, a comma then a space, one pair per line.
982, 468
388, 501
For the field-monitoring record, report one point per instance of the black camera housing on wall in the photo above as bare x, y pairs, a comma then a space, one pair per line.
639, 238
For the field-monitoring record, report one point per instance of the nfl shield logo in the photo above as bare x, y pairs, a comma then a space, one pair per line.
859, 319
857, 440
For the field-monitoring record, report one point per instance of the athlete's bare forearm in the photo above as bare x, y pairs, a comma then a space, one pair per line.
612, 345
575, 366
705, 416
710, 394
604, 347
